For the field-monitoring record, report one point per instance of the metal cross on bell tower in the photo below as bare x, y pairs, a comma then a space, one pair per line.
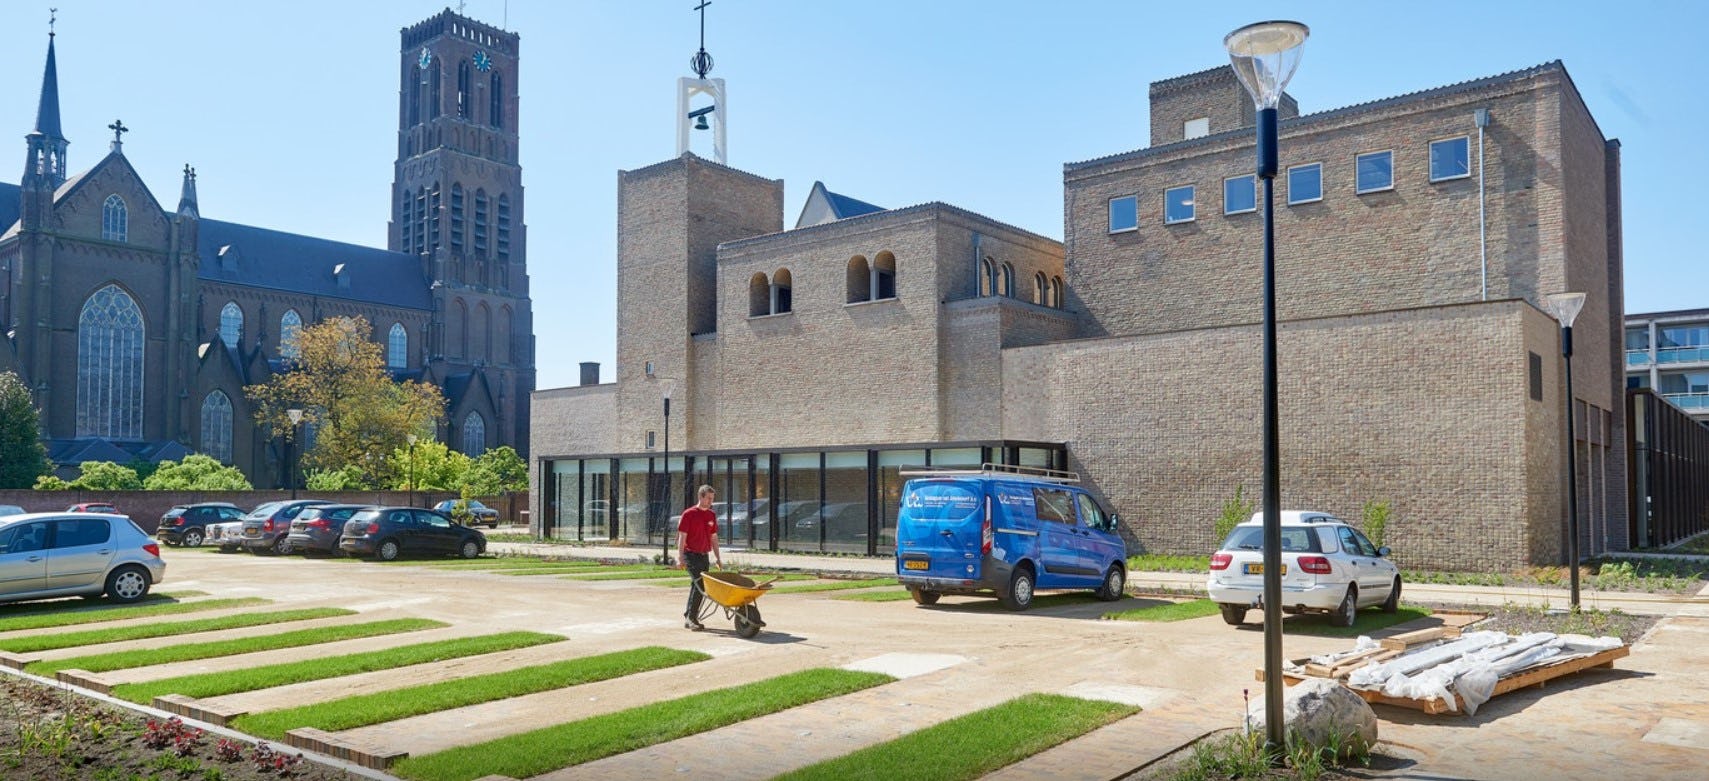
707, 117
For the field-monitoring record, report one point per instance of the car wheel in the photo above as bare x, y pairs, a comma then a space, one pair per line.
471, 549
1233, 615
924, 597
1115, 583
1392, 604
1348, 611
228, 549
1020, 593
127, 584
192, 538
388, 551
282, 547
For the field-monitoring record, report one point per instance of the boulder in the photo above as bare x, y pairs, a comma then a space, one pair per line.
1322, 713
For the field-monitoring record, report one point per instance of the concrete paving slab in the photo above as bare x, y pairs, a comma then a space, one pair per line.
1147, 697
1680, 732
906, 665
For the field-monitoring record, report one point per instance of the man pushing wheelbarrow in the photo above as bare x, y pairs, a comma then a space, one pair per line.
696, 542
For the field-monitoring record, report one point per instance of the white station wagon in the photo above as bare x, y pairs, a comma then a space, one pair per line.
1327, 567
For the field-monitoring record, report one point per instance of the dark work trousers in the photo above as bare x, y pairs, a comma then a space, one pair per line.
697, 564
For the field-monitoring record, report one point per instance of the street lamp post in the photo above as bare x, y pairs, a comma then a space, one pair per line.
292, 449
411, 439
1264, 56
1565, 307
664, 522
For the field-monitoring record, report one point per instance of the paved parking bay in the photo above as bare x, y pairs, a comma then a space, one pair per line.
1646, 716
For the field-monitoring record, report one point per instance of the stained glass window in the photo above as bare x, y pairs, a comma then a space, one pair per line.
109, 366
216, 426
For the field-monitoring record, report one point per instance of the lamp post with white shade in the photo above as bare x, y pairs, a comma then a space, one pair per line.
1565, 308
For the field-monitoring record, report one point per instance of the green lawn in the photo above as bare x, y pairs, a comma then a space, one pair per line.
52, 614
1168, 611
234, 681
503, 563
1369, 620
542, 750
875, 596
835, 585
1158, 562
364, 709
973, 745
124, 660
121, 633
636, 574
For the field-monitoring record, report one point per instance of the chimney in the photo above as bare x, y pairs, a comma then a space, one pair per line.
590, 372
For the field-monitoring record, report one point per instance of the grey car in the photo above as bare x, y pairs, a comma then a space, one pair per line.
46, 555
317, 529
266, 529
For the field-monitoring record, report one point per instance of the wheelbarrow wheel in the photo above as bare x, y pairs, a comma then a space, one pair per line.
748, 621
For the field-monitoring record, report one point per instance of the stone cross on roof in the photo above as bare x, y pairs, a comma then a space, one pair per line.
119, 130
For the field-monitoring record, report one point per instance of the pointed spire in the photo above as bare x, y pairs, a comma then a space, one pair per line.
187, 199
47, 112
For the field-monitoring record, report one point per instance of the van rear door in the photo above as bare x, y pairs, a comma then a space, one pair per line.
940, 529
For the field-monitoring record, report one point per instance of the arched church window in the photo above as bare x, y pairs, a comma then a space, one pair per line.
115, 219
290, 334
434, 105
456, 341
782, 292
421, 219
397, 347
884, 276
481, 223
759, 296
1008, 290
457, 226
434, 207
464, 88
110, 337
474, 434
1056, 292
495, 106
859, 280
216, 426
988, 277
504, 226
231, 324
1041, 289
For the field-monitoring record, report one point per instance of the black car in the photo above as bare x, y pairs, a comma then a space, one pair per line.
387, 533
187, 524
478, 513
265, 527
317, 529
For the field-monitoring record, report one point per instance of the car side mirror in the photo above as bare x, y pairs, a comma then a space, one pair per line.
1383, 551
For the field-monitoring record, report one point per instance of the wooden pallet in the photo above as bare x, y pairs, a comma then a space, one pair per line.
1524, 678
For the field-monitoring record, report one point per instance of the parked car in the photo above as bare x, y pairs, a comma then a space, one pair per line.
1007, 533
479, 512
10, 509
317, 529
227, 535
93, 507
387, 533
265, 528
187, 524
1327, 567
76, 554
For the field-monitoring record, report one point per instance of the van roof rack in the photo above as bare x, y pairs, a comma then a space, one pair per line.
1034, 472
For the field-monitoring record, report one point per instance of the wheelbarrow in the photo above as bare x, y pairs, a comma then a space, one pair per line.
736, 595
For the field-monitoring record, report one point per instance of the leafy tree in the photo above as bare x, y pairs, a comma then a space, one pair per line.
434, 466
340, 382
106, 476
1234, 512
350, 478
1376, 520
497, 471
25, 457
51, 482
196, 472
143, 468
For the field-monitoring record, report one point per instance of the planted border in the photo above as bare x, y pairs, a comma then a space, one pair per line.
235, 681
365, 709
971, 746
875, 596
55, 616
629, 575
122, 633
838, 585
543, 750
1168, 611
124, 660
1365, 622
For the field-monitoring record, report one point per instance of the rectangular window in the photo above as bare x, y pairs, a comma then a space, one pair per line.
1196, 128
1305, 183
1178, 205
1683, 336
1450, 158
1638, 338
1124, 214
1240, 194
1536, 367
1374, 172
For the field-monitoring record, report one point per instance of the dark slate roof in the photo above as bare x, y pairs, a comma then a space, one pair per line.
844, 207
304, 264
47, 112
11, 205
68, 452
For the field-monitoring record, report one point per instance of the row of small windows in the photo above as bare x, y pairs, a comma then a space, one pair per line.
1372, 172
418, 221
999, 280
865, 281
290, 330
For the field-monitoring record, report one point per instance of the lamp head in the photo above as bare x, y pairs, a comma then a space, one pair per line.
1265, 56
296, 416
411, 438
1564, 307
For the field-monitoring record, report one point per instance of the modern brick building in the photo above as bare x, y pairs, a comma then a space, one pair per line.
1668, 352
169, 315
1417, 236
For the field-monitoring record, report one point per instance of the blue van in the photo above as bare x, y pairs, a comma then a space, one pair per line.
1004, 531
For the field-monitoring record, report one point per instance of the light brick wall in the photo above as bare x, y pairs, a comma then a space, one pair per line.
569, 421
1214, 94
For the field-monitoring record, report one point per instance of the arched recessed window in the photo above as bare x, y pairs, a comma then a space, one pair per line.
435, 105
290, 333
759, 295
216, 426
434, 207
504, 227
859, 280
465, 88
110, 338
782, 293
1056, 292
455, 342
397, 347
115, 219
501, 336
883, 276
495, 104
406, 223
1008, 281
481, 223
481, 332
988, 277
421, 219
1041, 289
231, 324
474, 434
457, 226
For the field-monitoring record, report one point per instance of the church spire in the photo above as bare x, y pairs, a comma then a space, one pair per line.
45, 165
187, 199
47, 112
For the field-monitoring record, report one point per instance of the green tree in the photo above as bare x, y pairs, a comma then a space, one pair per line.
1234, 512
350, 478
51, 482
106, 476
25, 458
434, 466
196, 472
340, 382
497, 471
1375, 514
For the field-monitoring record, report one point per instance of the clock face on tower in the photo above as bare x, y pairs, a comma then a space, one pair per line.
483, 62
426, 58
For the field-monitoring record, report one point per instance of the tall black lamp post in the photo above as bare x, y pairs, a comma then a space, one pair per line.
1565, 307
411, 438
293, 451
1264, 57
664, 521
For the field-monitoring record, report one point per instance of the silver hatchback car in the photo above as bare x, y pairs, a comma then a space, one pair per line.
46, 555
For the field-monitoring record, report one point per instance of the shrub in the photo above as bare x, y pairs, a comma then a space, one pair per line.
196, 472
1376, 520
51, 483
1234, 512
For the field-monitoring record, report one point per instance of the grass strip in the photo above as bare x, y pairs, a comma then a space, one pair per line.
971, 746
875, 596
835, 585
124, 660
536, 571
55, 614
1168, 611
629, 575
757, 577
1367, 621
1159, 562
509, 562
531, 753
122, 633
365, 709
234, 681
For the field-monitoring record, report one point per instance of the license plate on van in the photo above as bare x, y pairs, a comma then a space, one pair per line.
1258, 568
916, 564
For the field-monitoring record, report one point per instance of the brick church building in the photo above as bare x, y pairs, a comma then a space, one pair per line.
138, 327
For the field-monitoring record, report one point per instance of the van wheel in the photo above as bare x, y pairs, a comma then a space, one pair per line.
924, 597
1115, 581
1233, 615
1348, 611
1392, 604
1020, 593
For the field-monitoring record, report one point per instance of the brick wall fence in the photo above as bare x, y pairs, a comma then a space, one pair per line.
146, 507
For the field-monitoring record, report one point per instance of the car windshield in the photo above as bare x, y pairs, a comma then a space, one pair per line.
264, 510
1295, 539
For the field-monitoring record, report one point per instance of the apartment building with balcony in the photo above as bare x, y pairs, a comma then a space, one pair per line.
1668, 352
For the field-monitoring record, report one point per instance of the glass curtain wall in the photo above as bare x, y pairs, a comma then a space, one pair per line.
636, 497
890, 480
844, 517
595, 520
798, 501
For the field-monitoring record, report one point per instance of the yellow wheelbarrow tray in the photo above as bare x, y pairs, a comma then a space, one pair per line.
736, 594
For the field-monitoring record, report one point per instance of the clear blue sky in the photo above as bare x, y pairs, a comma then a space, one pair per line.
288, 110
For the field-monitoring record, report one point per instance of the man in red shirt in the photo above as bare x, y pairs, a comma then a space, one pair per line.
697, 536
